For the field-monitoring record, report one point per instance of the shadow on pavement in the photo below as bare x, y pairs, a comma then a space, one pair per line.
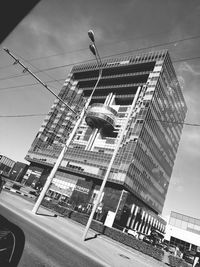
92, 237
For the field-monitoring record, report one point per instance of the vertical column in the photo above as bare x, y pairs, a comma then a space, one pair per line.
91, 139
130, 216
149, 224
134, 218
140, 223
144, 222
154, 223
108, 99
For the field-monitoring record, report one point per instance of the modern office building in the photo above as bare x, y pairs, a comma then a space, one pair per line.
183, 231
138, 96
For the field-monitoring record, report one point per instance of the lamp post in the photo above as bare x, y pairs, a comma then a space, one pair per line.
72, 134
91, 35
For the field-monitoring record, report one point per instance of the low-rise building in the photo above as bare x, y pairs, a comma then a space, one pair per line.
6, 164
183, 231
18, 171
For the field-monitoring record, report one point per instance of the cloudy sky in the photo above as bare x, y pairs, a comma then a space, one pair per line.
53, 37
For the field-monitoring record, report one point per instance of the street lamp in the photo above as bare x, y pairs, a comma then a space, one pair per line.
94, 50
72, 134
79, 118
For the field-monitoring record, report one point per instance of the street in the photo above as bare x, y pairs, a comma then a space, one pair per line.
56, 241
41, 249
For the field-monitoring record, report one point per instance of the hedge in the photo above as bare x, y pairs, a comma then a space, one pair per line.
177, 262
113, 233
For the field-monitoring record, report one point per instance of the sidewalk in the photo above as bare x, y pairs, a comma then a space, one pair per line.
101, 249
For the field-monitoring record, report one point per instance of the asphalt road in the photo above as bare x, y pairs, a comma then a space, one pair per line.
43, 250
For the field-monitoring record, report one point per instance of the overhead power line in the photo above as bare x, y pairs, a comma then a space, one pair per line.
22, 115
25, 69
44, 114
116, 54
27, 85
37, 69
62, 79
86, 48
178, 122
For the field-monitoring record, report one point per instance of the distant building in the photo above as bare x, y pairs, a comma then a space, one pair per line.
140, 175
183, 231
32, 175
6, 165
18, 171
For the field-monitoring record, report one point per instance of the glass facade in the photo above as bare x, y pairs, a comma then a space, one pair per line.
185, 222
145, 159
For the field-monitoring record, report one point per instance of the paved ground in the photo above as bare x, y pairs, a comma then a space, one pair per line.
43, 249
100, 249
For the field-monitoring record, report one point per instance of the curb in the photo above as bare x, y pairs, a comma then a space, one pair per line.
17, 192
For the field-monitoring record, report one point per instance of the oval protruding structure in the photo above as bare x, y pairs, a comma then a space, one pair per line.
101, 116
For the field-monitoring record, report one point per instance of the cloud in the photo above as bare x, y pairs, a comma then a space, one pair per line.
176, 184
188, 68
190, 141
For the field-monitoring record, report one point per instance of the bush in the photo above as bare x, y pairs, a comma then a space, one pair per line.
16, 186
134, 243
113, 233
177, 262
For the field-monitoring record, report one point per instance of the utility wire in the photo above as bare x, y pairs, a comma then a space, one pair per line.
86, 48
85, 61
179, 122
37, 69
17, 61
23, 115
62, 79
105, 57
43, 114
27, 85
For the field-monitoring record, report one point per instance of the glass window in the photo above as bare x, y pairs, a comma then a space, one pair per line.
185, 218
197, 222
173, 214
172, 221
191, 220
197, 228
184, 225
190, 226
179, 216
178, 223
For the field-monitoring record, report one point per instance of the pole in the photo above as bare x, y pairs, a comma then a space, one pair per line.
110, 166
120, 199
17, 61
72, 134
61, 156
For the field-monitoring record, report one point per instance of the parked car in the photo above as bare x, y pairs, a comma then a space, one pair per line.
147, 239
133, 233
171, 249
141, 236
48, 198
188, 256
